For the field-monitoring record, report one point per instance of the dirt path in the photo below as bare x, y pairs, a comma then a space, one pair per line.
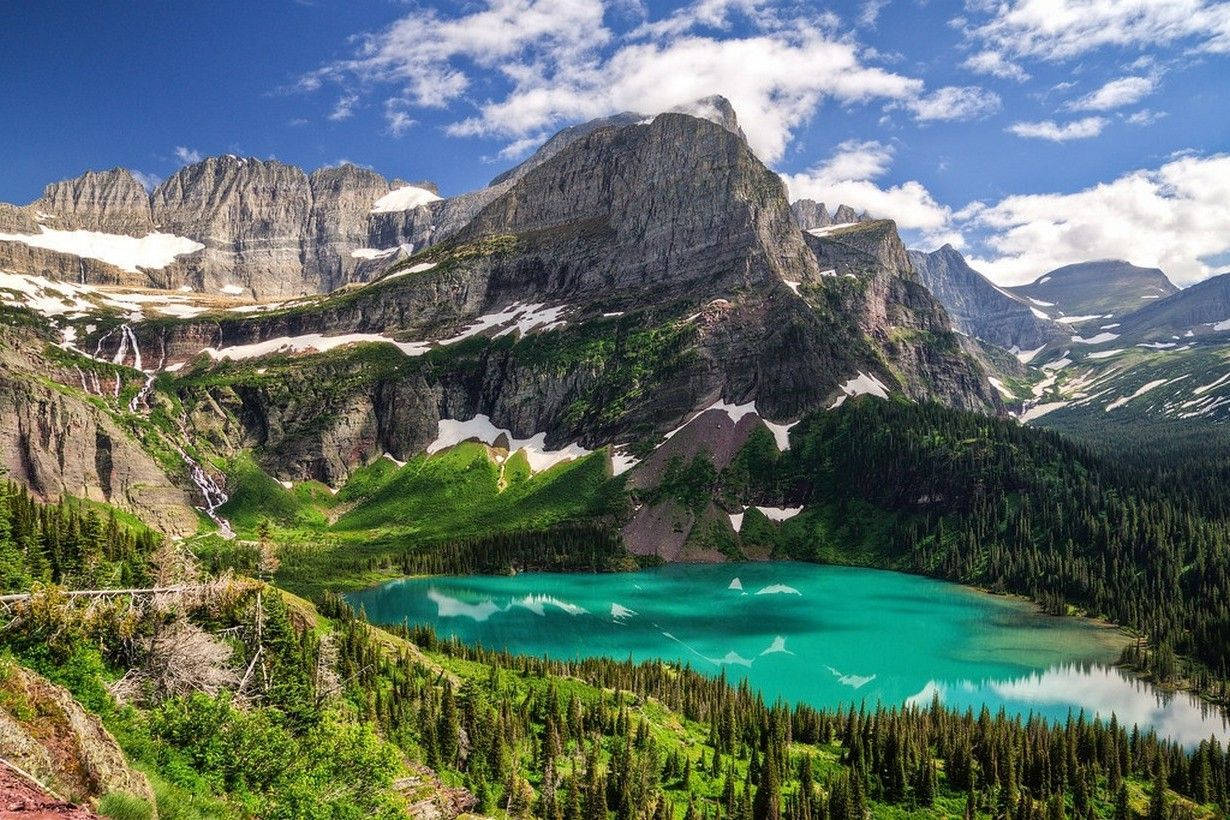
22, 798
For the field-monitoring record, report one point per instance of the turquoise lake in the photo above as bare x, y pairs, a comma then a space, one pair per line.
816, 634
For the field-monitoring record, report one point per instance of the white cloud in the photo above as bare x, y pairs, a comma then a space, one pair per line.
148, 181
188, 155
562, 64
344, 108
995, 64
869, 12
1116, 94
1063, 29
399, 122
955, 103
1083, 128
1174, 217
1145, 116
847, 178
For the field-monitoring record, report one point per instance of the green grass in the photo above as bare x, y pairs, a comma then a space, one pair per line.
329, 540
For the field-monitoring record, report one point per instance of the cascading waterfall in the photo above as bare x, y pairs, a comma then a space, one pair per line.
210, 491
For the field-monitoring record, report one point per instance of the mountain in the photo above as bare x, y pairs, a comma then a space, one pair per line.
251, 227
978, 307
645, 277
1196, 311
810, 215
1102, 289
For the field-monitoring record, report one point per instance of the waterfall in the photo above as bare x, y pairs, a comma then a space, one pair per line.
144, 392
210, 491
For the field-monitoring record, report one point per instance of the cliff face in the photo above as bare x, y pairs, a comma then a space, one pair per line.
58, 443
342, 198
251, 215
107, 201
665, 245
978, 307
907, 325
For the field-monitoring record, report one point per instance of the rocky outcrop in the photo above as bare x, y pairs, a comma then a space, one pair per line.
49, 735
905, 323
979, 308
809, 214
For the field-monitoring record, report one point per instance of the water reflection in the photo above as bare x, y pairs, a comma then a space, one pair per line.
1094, 689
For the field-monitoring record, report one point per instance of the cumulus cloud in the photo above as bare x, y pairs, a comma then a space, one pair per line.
953, 102
1116, 94
995, 64
188, 155
1063, 29
1173, 217
1081, 129
559, 63
847, 177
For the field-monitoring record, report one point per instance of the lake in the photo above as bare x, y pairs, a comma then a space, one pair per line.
822, 635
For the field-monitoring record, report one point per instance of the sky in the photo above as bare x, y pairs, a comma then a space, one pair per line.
1027, 133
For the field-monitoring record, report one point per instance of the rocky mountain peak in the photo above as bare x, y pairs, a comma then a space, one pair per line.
110, 201
716, 109
810, 215
678, 199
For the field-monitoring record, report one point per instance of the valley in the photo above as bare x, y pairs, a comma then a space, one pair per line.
329, 433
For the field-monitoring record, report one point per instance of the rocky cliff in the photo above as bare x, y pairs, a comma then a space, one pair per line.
666, 272
979, 308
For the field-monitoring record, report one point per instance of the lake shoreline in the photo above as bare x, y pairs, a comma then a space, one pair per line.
1128, 635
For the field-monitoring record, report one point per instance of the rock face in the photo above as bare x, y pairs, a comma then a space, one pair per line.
252, 216
342, 198
1107, 286
980, 309
107, 201
904, 322
670, 247
809, 214
56, 443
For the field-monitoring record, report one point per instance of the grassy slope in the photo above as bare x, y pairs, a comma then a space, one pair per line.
384, 509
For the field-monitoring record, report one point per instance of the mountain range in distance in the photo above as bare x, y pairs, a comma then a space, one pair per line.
667, 309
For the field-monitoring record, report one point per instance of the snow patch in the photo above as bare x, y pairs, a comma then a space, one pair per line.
1039, 410
403, 199
735, 583
1096, 339
452, 432
1027, 356
1106, 354
998, 385
153, 251
232, 290
860, 384
1144, 388
371, 253
310, 342
780, 513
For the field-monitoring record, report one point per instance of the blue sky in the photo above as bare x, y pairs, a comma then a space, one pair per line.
1030, 133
